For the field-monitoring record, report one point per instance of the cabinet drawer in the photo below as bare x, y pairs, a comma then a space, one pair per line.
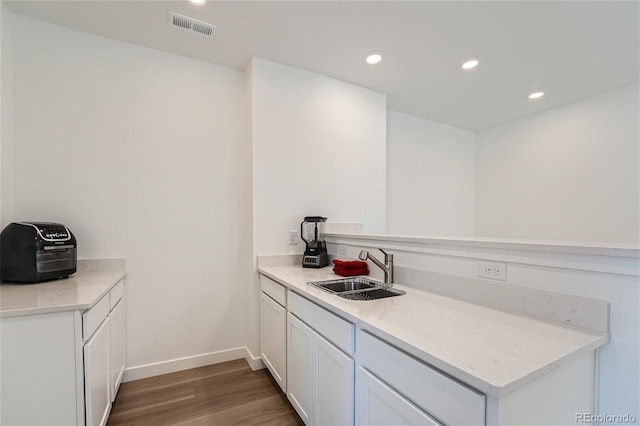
332, 327
377, 404
116, 293
276, 291
92, 318
446, 399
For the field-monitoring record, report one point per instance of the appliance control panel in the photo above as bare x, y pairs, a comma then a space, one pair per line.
50, 231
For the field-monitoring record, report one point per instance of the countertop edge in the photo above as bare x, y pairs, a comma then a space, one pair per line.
111, 278
531, 377
84, 306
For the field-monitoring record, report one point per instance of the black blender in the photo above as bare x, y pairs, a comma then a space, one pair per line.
312, 233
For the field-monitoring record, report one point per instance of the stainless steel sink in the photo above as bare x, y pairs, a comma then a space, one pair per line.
376, 293
357, 288
346, 284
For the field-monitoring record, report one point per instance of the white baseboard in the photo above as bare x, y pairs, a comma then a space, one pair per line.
173, 365
254, 362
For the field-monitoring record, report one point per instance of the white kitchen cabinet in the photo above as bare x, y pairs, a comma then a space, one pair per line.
273, 330
52, 333
103, 332
442, 397
320, 375
438, 396
96, 376
116, 348
300, 367
378, 404
41, 378
62, 368
334, 381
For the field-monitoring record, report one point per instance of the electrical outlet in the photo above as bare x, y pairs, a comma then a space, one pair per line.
293, 237
493, 270
342, 250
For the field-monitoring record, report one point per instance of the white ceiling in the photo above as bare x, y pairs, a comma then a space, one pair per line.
571, 49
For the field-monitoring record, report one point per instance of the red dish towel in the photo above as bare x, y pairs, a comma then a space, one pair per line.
350, 272
351, 264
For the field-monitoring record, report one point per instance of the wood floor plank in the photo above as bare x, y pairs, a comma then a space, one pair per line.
182, 376
222, 394
155, 396
243, 389
252, 413
142, 412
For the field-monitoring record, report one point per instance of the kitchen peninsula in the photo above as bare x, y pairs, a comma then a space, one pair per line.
529, 370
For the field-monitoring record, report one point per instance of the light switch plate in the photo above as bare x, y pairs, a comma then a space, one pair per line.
293, 237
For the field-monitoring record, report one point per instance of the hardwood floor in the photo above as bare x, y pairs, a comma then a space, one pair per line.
223, 394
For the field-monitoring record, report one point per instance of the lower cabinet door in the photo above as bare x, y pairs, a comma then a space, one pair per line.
116, 321
300, 352
273, 333
378, 404
96, 376
334, 384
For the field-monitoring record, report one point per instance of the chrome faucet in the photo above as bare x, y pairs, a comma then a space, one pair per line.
387, 266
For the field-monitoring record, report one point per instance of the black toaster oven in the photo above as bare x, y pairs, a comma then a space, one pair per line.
37, 251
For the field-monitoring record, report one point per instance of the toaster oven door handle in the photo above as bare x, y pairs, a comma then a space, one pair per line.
64, 247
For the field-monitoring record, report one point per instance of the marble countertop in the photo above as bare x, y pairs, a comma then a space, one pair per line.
92, 280
492, 351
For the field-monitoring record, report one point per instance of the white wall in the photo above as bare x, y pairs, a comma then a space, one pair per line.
141, 153
318, 149
568, 174
430, 177
6, 117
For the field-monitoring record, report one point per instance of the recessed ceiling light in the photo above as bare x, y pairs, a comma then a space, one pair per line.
198, 2
373, 58
536, 95
470, 64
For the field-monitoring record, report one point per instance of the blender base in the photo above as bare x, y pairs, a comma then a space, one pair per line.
315, 261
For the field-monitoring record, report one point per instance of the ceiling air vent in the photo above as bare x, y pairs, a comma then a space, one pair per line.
190, 24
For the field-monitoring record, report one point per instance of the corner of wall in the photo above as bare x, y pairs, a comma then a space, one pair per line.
430, 167
6, 116
252, 336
